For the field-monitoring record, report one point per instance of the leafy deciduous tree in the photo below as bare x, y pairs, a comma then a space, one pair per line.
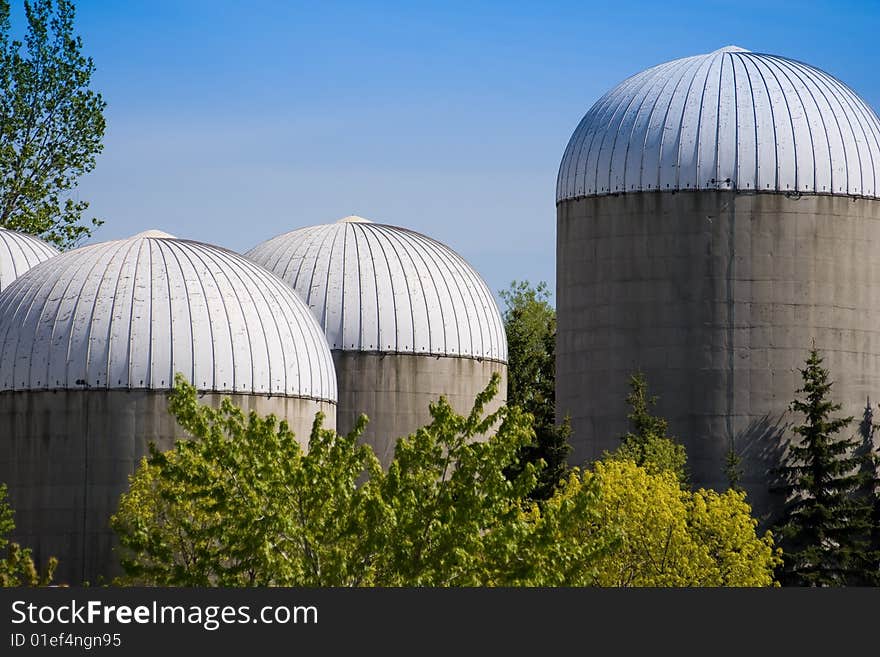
454, 517
241, 504
51, 123
673, 537
17, 567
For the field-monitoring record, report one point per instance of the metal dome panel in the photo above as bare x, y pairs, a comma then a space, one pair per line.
131, 313
730, 119
18, 253
375, 287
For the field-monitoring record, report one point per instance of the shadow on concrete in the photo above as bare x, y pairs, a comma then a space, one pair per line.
762, 447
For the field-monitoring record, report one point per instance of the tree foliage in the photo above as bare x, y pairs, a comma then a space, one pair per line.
733, 470
51, 123
240, 504
17, 566
530, 324
647, 443
673, 537
869, 452
453, 517
827, 525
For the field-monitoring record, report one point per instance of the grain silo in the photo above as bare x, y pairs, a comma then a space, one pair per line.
406, 318
715, 214
18, 253
91, 341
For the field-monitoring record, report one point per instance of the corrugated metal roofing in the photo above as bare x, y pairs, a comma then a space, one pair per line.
375, 287
18, 253
130, 313
730, 119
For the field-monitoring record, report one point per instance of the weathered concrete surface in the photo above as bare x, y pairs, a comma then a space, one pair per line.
394, 390
716, 296
66, 457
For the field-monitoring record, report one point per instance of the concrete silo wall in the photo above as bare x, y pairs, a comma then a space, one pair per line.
394, 390
66, 457
716, 296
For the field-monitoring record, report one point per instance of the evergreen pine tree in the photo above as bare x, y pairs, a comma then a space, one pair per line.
733, 470
872, 575
647, 443
826, 528
530, 325
872, 492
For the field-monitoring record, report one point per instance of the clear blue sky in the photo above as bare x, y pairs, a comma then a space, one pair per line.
230, 122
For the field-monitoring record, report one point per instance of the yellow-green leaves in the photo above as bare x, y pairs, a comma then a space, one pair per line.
17, 567
241, 504
452, 516
723, 527
673, 537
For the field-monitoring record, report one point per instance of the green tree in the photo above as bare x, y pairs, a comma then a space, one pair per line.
670, 536
647, 443
241, 504
567, 537
733, 470
17, 566
826, 527
51, 123
871, 490
530, 324
454, 517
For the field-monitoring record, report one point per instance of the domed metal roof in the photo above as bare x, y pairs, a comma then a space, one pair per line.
131, 313
18, 253
731, 119
375, 287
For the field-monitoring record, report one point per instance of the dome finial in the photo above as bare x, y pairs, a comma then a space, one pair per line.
156, 234
353, 219
732, 48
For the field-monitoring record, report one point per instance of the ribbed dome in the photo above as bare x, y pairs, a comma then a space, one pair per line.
382, 288
18, 253
731, 119
130, 313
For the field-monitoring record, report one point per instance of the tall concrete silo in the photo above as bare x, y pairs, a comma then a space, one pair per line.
18, 253
406, 318
715, 214
91, 341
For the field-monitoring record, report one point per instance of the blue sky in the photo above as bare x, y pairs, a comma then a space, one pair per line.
230, 122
